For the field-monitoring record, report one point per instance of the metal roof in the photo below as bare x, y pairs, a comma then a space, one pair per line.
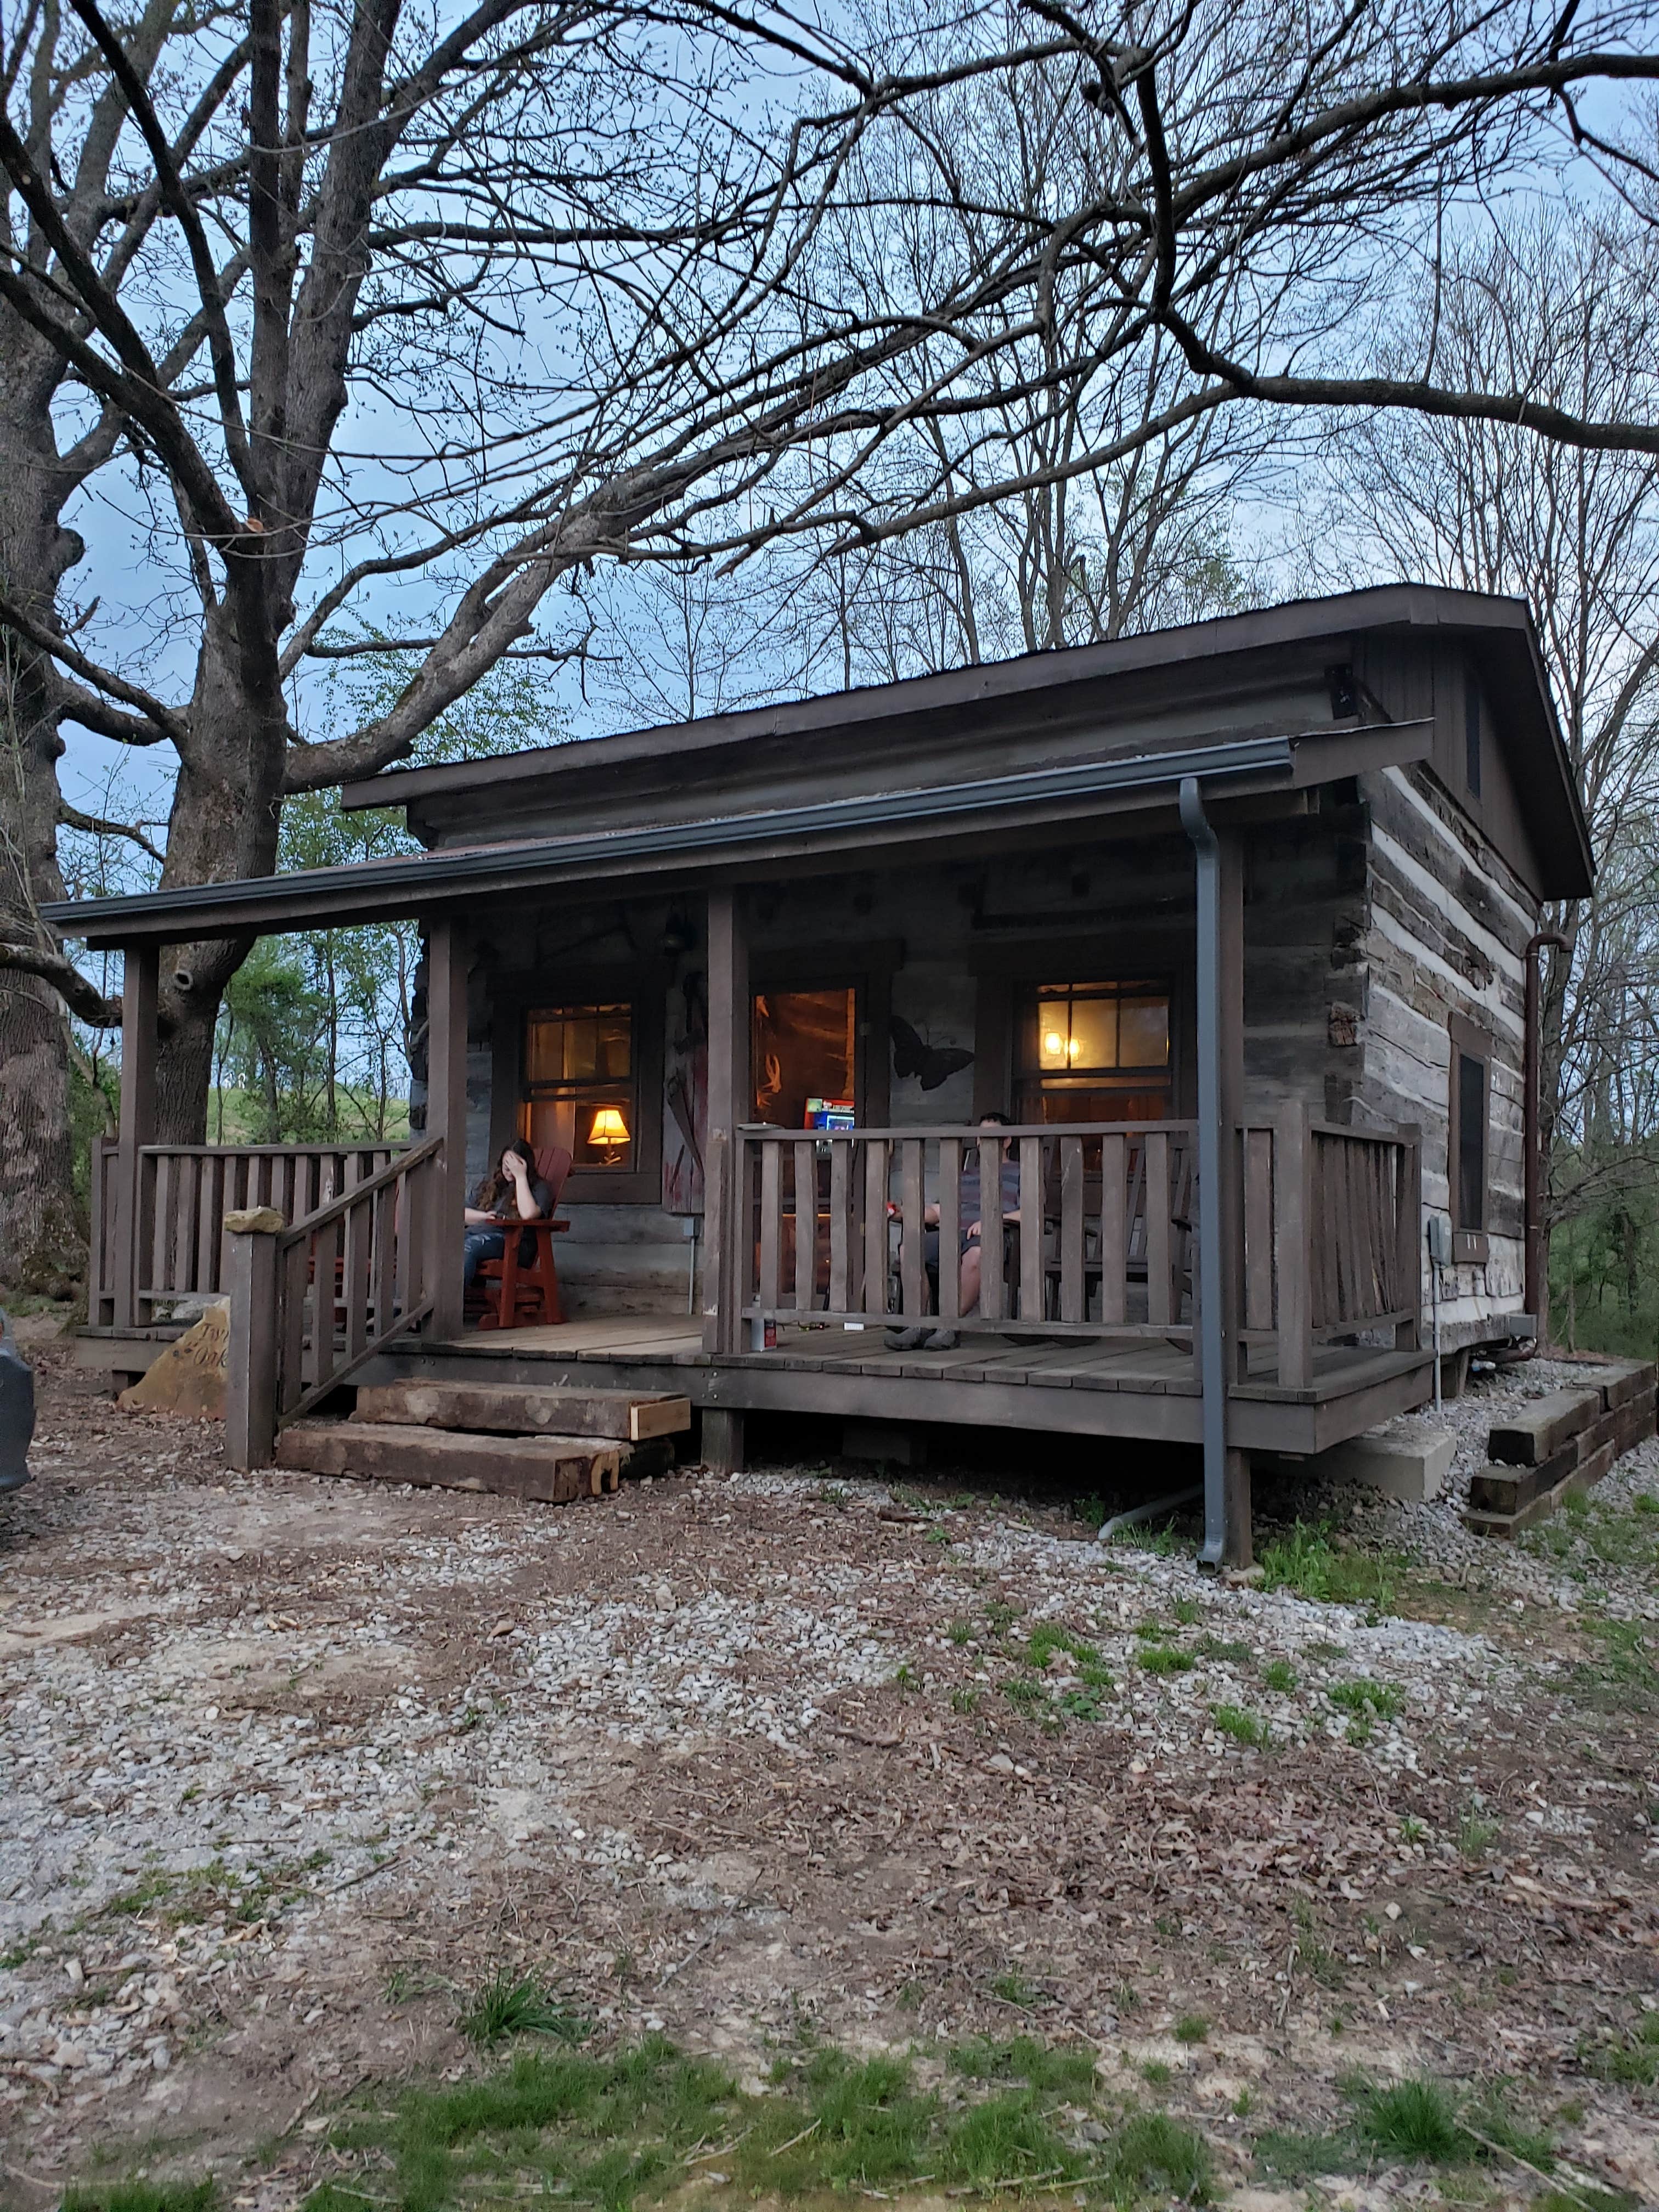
368, 889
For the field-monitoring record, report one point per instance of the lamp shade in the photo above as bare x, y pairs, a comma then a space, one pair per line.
609, 1127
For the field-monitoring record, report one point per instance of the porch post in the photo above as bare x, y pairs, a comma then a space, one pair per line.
141, 967
446, 1116
729, 1098
1220, 1224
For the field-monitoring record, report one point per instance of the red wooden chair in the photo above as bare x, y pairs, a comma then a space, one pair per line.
515, 1293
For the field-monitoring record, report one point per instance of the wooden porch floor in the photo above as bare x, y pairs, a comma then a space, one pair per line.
1136, 1387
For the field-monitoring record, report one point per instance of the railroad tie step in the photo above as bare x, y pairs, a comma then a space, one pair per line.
626, 1416
549, 1470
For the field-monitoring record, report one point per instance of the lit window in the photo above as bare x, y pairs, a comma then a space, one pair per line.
578, 1082
804, 1053
1093, 1052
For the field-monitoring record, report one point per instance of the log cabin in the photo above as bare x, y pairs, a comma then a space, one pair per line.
1235, 924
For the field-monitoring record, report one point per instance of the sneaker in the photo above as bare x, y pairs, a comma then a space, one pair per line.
904, 1340
943, 1339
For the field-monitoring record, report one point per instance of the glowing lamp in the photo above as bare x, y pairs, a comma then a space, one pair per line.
1054, 1045
610, 1132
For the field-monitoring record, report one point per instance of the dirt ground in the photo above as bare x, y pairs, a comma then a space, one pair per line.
289, 1768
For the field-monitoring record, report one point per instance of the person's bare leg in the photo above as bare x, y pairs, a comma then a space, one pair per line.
969, 1281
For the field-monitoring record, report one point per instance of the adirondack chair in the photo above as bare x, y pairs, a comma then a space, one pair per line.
514, 1293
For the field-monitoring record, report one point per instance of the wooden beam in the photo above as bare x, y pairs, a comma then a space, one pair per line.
251, 1357
731, 1101
445, 1117
141, 975
730, 1085
1230, 993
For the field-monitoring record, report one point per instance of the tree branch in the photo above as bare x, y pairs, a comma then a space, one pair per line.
165, 725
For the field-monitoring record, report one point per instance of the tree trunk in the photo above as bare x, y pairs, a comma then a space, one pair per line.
42, 1240
223, 825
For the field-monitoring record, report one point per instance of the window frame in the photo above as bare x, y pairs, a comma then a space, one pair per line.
1026, 998
1473, 1046
643, 989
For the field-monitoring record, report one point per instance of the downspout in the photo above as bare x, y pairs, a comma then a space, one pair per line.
1212, 1347
1537, 1290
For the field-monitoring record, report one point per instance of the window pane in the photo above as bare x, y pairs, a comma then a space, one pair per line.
805, 1044
580, 1049
1471, 1142
1094, 1033
615, 1042
544, 1048
1144, 1033
579, 1065
1073, 1038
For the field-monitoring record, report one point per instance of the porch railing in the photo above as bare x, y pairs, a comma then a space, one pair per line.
313, 1301
827, 1228
182, 1195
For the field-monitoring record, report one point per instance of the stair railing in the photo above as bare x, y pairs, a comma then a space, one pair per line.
313, 1300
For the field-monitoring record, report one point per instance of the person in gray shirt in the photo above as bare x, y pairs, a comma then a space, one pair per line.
971, 1237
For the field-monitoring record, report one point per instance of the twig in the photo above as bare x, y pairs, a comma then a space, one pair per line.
366, 1873
1045, 2179
720, 1928
811, 2129
1502, 2150
703, 2157
32, 2179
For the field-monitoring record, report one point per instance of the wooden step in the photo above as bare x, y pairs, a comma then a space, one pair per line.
551, 1470
493, 1408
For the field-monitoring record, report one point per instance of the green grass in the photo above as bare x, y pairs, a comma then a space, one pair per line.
1159, 1659
1243, 1726
1413, 2120
1632, 2062
1366, 1699
1415, 2123
143, 2196
1305, 1561
1064, 2070
1195, 2028
1224, 1647
632, 2126
1279, 1674
1476, 1833
1050, 1637
1282, 2154
1153, 2153
509, 2005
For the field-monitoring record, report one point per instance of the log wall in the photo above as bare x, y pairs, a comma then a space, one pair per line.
1446, 928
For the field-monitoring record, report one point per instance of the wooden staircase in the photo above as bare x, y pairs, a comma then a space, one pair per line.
548, 1445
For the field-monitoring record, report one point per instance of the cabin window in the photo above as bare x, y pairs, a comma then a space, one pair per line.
1093, 1052
805, 1056
1467, 1138
581, 1087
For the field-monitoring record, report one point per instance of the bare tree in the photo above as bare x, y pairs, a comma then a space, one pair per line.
853, 276
64, 98
1575, 532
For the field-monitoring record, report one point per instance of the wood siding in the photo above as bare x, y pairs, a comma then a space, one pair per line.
1447, 925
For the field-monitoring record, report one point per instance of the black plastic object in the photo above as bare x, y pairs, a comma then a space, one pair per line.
16, 1410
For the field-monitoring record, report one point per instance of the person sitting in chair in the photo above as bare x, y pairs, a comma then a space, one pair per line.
970, 1243
514, 1193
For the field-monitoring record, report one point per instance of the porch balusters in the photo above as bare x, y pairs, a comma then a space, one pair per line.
1326, 1228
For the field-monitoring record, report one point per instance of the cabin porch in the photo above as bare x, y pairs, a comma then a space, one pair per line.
1195, 1254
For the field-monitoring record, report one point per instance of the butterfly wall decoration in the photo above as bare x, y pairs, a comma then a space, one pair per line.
931, 1064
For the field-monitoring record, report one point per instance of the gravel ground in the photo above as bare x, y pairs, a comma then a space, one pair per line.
288, 1768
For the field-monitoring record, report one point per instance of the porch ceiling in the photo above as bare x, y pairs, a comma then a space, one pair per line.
1229, 767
